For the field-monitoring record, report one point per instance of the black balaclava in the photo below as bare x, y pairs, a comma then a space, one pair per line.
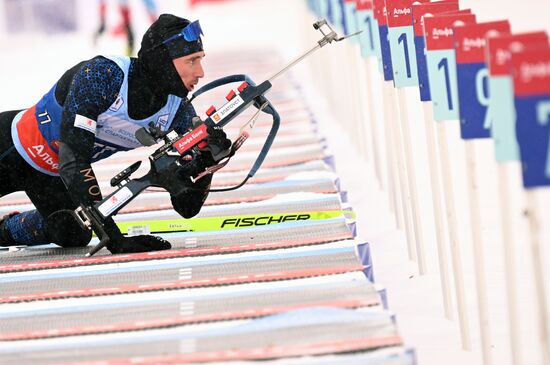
155, 57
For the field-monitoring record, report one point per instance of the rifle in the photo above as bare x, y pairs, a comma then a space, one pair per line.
185, 147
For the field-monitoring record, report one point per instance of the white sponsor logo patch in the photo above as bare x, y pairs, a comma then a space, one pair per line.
109, 206
227, 109
404, 11
85, 123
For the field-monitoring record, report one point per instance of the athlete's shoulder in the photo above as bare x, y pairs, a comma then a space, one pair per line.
183, 117
103, 67
93, 86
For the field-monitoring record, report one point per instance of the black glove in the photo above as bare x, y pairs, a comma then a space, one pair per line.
212, 150
217, 146
133, 244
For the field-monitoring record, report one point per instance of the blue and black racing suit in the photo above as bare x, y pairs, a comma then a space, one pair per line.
47, 150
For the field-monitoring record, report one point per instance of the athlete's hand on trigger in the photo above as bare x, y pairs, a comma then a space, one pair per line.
217, 144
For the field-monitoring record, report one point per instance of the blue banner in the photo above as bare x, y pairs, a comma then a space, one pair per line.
385, 52
422, 68
473, 96
533, 132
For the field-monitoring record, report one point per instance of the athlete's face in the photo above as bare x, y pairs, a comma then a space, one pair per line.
190, 69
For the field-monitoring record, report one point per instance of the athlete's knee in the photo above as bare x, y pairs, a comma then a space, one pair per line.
65, 231
6, 238
27, 228
31, 229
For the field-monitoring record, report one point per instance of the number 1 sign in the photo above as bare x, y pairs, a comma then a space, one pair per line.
335, 14
531, 70
350, 20
401, 40
369, 37
420, 10
473, 75
380, 15
441, 62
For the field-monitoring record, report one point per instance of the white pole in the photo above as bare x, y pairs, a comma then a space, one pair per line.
509, 261
392, 165
411, 176
358, 106
453, 236
478, 253
440, 235
350, 102
394, 129
538, 273
372, 123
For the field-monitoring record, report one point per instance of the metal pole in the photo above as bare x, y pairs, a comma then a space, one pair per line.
295, 61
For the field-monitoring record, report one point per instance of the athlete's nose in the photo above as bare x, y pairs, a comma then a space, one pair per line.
200, 71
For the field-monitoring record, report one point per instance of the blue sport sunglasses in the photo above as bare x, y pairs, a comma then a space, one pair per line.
190, 33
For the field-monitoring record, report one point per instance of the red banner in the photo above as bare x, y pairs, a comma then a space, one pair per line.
471, 39
419, 10
531, 70
379, 7
499, 49
438, 30
363, 4
399, 13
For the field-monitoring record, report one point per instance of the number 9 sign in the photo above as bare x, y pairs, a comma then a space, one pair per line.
473, 76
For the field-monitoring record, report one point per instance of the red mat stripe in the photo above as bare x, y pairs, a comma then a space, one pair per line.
264, 353
156, 255
181, 284
179, 321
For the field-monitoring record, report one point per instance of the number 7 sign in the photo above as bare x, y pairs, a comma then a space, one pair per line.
501, 88
531, 70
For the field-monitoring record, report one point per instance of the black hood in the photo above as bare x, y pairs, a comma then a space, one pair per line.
155, 58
